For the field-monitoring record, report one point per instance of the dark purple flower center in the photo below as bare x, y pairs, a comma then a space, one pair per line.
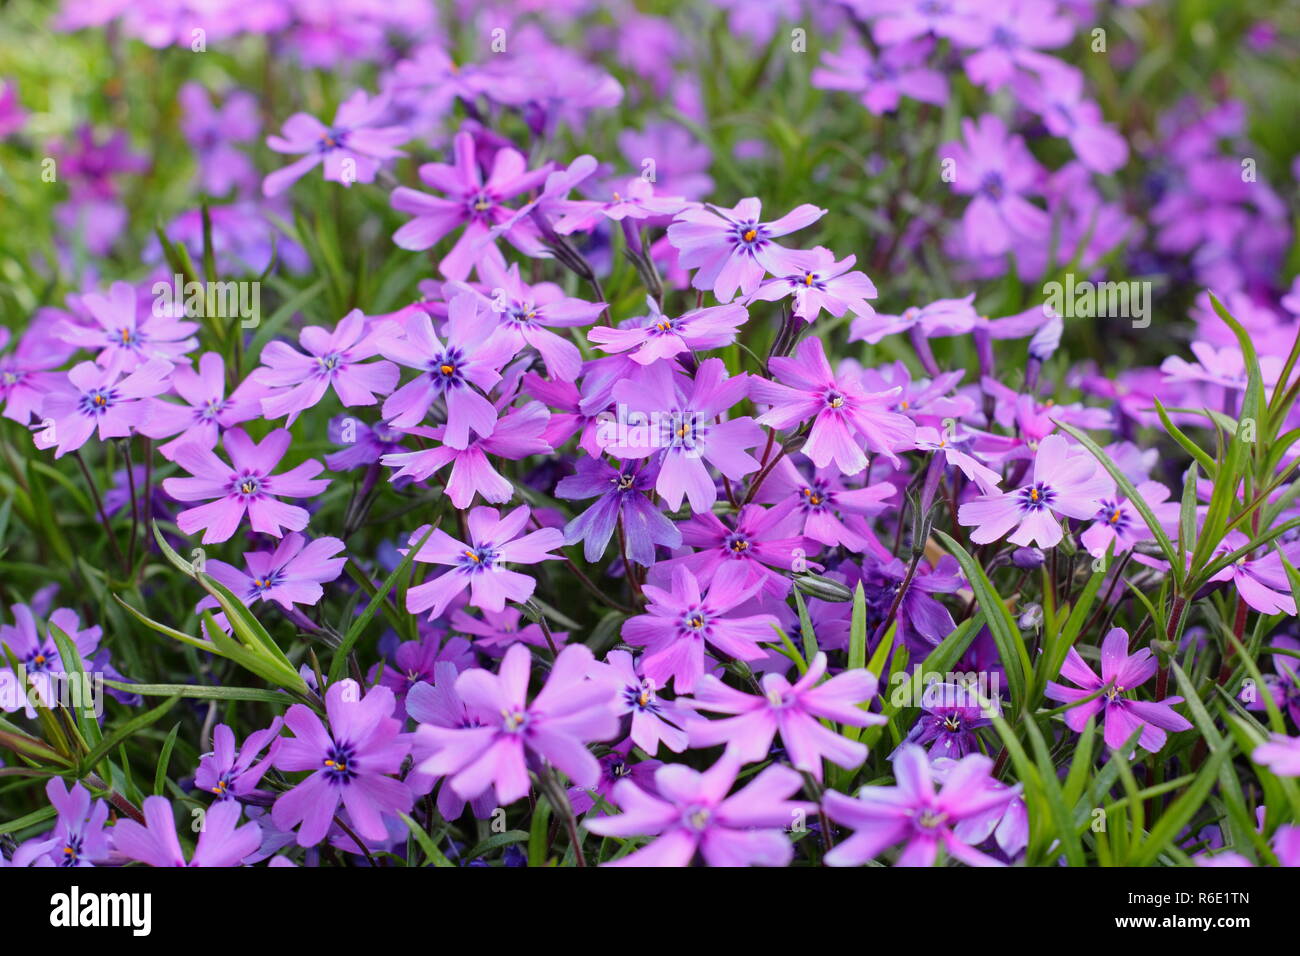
332, 139
40, 660
479, 205
126, 338
665, 326
340, 764
328, 364
98, 400
816, 497
992, 186
474, 560
749, 237
835, 398
263, 583
222, 787
641, 697
210, 409
695, 621
522, 313
514, 720
247, 485
807, 280
1035, 497
737, 544
71, 855
1114, 516
446, 370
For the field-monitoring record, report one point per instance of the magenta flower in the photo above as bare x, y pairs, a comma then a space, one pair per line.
942, 317
351, 764
568, 712
654, 721
1280, 754
526, 314
95, 399
1009, 35
824, 502
1262, 582
1058, 98
656, 336
206, 409
222, 842
352, 148
334, 360
481, 566
794, 711
731, 248
214, 131
998, 172
636, 200
913, 812
120, 335
1119, 522
1121, 673
816, 281
883, 80
37, 651
245, 485
234, 773
25, 378
844, 413
471, 359
678, 623
291, 574
79, 838
472, 202
692, 813
1066, 481
516, 435
435, 702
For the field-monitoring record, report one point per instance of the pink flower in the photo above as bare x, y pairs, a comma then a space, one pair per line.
245, 485
844, 413
504, 727
1280, 754
657, 336
481, 566
692, 813
206, 409
816, 281
793, 710
221, 841
731, 248
291, 574
124, 336
99, 400
1262, 582
1121, 673
334, 360
1066, 481
352, 147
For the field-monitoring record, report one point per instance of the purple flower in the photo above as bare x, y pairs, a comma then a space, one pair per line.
653, 719
245, 485
78, 838
351, 764
816, 281
823, 499
351, 148
997, 171
436, 703
1121, 673
678, 623
793, 710
692, 813
481, 565
844, 413
291, 574
518, 434
942, 317
636, 200
231, 772
214, 131
650, 338
570, 710
125, 339
334, 360
1009, 35
526, 314
25, 378
36, 650
95, 399
472, 202
366, 444
731, 248
451, 372
1262, 582
883, 80
913, 812
495, 631
1059, 100
1119, 522
1280, 754
206, 409
1066, 481
222, 842
950, 716
621, 500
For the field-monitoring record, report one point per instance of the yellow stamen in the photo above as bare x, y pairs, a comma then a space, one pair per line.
750, 235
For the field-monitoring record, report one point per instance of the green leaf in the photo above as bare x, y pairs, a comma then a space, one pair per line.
123, 731
431, 852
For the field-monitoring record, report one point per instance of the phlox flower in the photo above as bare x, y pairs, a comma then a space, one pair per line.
351, 764
122, 336
206, 409
1121, 673
615, 766
291, 574
652, 720
816, 281
452, 371
36, 649
79, 838
684, 435
245, 485
949, 445
365, 445
1262, 582
334, 360
647, 339
1009, 35
352, 148
516, 435
943, 317
691, 813
914, 812
481, 565
1280, 754
1119, 522
471, 201
731, 248
680, 621
436, 703
1058, 98
824, 501
901, 21
25, 376
883, 80
950, 716
222, 842
569, 711
213, 132
844, 413
621, 500
99, 400
636, 200
794, 711
1066, 481
231, 772
495, 631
